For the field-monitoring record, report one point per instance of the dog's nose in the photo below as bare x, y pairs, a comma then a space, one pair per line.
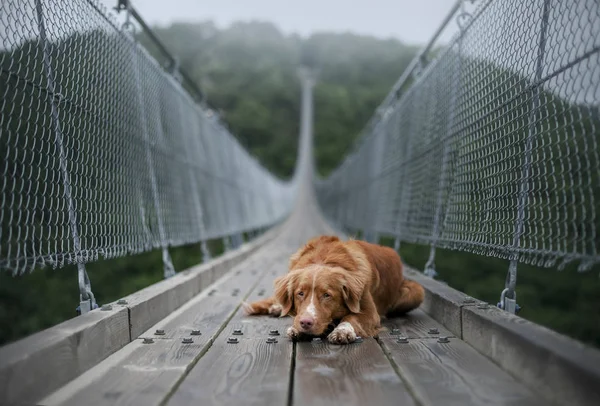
306, 323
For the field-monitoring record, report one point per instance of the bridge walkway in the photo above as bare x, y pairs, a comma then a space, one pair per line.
210, 370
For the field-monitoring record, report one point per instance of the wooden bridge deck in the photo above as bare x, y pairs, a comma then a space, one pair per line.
116, 357
212, 371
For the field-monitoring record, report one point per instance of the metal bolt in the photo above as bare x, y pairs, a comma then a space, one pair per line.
121, 302
468, 299
402, 340
358, 340
195, 332
232, 340
443, 340
271, 340
434, 331
395, 332
106, 308
237, 332
187, 340
159, 332
483, 305
273, 332
317, 339
148, 340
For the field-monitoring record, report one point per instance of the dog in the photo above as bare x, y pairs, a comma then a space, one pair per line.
340, 289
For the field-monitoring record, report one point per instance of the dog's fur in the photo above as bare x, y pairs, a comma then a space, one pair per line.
347, 284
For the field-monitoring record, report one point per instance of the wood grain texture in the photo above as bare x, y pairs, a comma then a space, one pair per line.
39, 364
251, 372
441, 302
149, 372
149, 305
455, 374
415, 324
561, 369
355, 374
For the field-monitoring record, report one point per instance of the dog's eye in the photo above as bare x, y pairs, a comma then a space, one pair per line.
326, 295
300, 294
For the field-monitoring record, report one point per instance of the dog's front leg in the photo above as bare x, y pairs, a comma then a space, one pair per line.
363, 324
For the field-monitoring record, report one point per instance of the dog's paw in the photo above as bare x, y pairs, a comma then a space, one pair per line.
275, 310
293, 334
343, 334
248, 308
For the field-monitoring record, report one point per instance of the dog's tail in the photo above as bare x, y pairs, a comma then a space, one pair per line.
267, 306
411, 297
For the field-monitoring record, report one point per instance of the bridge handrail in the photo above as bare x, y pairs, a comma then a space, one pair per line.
491, 146
105, 153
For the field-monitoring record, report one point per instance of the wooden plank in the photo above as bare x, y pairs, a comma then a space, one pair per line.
35, 366
354, 374
416, 324
251, 372
149, 305
441, 302
149, 372
455, 374
561, 369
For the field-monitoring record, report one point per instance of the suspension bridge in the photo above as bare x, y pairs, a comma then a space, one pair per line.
487, 145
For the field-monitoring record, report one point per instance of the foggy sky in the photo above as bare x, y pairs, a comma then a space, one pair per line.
411, 21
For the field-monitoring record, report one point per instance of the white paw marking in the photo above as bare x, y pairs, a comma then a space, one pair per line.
275, 310
292, 332
248, 308
343, 334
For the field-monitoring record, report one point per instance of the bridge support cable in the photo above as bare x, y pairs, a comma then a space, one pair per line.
107, 154
87, 301
508, 297
449, 138
492, 145
168, 268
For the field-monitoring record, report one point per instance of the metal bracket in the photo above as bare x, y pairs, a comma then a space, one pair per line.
509, 304
87, 300
169, 269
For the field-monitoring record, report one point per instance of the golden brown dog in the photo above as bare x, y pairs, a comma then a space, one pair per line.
343, 284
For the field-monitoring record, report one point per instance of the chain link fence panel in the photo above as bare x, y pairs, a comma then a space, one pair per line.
491, 147
103, 152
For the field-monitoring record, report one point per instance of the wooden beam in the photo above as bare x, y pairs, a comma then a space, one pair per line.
251, 372
36, 365
149, 305
441, 301
558, 368
453, 373
564, 370
145, 374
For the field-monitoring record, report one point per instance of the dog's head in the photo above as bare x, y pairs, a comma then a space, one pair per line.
323, 285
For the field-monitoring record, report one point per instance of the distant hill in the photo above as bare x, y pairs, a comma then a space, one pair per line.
249, 72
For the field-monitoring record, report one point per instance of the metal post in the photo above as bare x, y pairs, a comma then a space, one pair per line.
86, 297
508, 297
193, 184
226, 244
168, 268
446, 154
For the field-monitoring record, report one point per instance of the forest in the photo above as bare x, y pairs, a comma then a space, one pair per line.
249, 73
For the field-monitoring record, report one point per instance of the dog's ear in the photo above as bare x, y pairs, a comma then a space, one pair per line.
352, 292
310, 246
284, 293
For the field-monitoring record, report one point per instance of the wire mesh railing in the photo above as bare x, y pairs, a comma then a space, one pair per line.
103, 152
489, 144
